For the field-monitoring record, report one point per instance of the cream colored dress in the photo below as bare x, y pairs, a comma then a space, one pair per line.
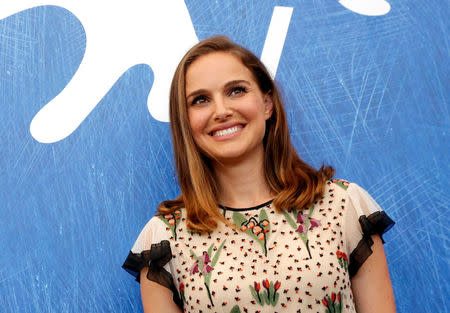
297, 261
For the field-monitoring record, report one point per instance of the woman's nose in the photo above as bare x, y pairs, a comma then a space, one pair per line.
222, 110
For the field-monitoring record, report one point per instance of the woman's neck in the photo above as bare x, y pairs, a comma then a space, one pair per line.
243, 184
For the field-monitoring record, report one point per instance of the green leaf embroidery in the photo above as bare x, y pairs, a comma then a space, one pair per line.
266, 297
176, 218
289, 218
255, 295
336, 308
340, 184
275, 301
235, 309
239, 219
263, 215
194, 256
217, 254
214, 261
210, 249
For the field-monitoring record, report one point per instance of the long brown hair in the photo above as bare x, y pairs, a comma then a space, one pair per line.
296, 184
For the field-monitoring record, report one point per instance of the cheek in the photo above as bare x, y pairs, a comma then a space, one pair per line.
198, 121
254, 111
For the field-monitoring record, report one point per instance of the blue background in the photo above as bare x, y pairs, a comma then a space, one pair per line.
367, 95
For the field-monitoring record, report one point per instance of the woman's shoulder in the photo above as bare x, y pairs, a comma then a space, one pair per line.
338, 182
160, 227
151, 233
343, 187
343, 193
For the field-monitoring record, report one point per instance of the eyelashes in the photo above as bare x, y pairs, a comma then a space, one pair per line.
199, 100
234, 91
237, 90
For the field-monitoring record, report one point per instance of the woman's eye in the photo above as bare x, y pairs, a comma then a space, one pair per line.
237, 90
199, 100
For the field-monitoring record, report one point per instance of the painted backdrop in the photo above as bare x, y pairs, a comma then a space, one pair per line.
85, 152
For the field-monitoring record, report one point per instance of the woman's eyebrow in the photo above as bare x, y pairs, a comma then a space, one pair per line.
235, 82
227, 85
196, 92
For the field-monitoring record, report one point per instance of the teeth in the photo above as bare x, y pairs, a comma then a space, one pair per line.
227, 131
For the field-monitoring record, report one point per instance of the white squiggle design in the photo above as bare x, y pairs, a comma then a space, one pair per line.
119, 34
367, 7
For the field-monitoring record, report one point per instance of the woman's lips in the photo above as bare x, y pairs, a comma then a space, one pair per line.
227, 133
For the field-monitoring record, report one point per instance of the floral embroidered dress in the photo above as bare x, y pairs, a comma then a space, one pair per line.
296, 261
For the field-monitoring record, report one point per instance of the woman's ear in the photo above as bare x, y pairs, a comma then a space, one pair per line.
268, 104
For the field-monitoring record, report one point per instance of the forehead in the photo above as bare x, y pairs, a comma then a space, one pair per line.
214, 70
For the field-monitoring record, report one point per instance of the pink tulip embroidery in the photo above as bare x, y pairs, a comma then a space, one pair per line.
205, 258
194, 269
301, 218
302, 229
206, 269
203, 267
314, 223
304, 223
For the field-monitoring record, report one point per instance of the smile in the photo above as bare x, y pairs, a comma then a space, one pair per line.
228, 131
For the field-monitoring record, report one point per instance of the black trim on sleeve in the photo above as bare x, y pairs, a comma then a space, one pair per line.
376, 223
155, 259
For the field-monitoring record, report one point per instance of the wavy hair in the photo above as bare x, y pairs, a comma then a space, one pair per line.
295, 183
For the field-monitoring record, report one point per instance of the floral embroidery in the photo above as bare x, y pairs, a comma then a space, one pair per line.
172, 220
235, 309
255, 292
181, 288
341, 183
202, 266
286, 279
305, 223
342, 259
206, 268
331, 304
258, 230
269, 296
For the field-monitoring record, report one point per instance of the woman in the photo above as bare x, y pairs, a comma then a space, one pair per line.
255, 229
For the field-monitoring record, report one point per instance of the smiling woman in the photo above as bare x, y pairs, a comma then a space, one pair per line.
227, 110
251, 212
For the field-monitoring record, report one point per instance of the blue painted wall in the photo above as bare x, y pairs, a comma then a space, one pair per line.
365, 94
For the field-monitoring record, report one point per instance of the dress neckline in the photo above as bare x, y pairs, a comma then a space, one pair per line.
246, 209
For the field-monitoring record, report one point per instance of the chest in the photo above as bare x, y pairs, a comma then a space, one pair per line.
278, 260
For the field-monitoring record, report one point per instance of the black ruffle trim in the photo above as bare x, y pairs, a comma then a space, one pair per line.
375, 223
155, 259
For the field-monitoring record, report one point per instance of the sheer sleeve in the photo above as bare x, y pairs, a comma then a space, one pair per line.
152, 250
364, 218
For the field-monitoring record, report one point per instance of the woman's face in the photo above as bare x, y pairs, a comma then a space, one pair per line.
227, 110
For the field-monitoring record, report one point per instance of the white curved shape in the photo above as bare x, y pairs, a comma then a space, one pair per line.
367, 7
168, 59
119, 35
276, 35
